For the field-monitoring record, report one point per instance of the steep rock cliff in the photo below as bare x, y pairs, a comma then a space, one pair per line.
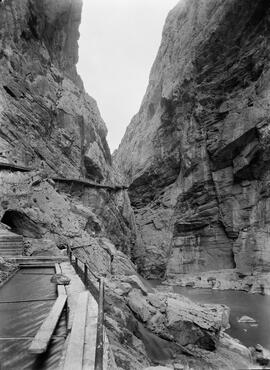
199, 170
46, 116
51, 127
53, 141
57, 186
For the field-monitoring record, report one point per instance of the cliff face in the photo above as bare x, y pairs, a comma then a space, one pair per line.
45, 114
52, 143
57, 186
199, 174
52, 128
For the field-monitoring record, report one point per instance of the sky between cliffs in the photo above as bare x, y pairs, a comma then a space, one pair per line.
117, 47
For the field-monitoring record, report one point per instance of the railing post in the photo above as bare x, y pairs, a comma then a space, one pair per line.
85, 273
76, 263
100, 339
66, 317
69, 253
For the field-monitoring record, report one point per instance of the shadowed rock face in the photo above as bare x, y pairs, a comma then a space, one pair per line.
199, 173
46, 117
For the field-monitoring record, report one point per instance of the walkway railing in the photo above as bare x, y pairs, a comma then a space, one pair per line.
83, 273
86, 182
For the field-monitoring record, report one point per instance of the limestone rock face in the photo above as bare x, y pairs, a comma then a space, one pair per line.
199, 174
51, 127
178, 319
57, 186
47, 120
169, 326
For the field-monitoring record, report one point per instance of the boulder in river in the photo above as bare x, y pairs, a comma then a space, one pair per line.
247, 319
178, 319
261, 355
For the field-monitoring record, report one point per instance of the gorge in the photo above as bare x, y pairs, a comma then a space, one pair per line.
190, 206
199, 171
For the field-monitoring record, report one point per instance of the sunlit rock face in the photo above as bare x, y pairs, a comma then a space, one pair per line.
45, 114
199, 171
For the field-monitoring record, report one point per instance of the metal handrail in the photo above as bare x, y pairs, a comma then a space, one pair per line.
100, 324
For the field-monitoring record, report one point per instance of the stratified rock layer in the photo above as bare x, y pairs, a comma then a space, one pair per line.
57, 186
46, 117
51, 127
199, 171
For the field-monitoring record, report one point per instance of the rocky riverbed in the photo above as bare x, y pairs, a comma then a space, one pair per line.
257, 283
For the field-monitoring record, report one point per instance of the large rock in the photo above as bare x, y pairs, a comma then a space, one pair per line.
178, 319
168, 327
199, 171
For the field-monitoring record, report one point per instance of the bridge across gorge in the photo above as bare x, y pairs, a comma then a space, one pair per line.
77, 180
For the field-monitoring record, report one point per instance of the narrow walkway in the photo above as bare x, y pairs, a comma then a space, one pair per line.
14, 167
86, 182
73, 291
83, 181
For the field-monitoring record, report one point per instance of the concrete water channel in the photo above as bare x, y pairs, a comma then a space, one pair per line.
47, 326
25, 301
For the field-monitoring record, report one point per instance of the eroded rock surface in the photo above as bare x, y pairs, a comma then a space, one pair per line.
169, 326
57, 186
50, 127
47, 119
199, 170
51, 134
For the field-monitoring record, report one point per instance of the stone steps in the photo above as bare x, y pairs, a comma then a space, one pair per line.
10, 238
10, 244
11, 247
10, 252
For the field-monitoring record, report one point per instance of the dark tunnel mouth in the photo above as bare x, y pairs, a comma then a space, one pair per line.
21, 224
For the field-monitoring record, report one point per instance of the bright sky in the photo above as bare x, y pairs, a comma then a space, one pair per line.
118, 44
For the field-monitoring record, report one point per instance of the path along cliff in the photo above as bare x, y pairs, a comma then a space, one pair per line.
50, 128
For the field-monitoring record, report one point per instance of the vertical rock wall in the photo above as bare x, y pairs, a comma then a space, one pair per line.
52, 127
45, 115
199, 173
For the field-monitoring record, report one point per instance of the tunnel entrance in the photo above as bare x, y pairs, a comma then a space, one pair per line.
21, 224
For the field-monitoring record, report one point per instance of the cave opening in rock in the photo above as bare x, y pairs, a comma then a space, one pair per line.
21, 224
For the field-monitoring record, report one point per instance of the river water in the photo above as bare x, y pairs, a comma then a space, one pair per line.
241, 303
25, 301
